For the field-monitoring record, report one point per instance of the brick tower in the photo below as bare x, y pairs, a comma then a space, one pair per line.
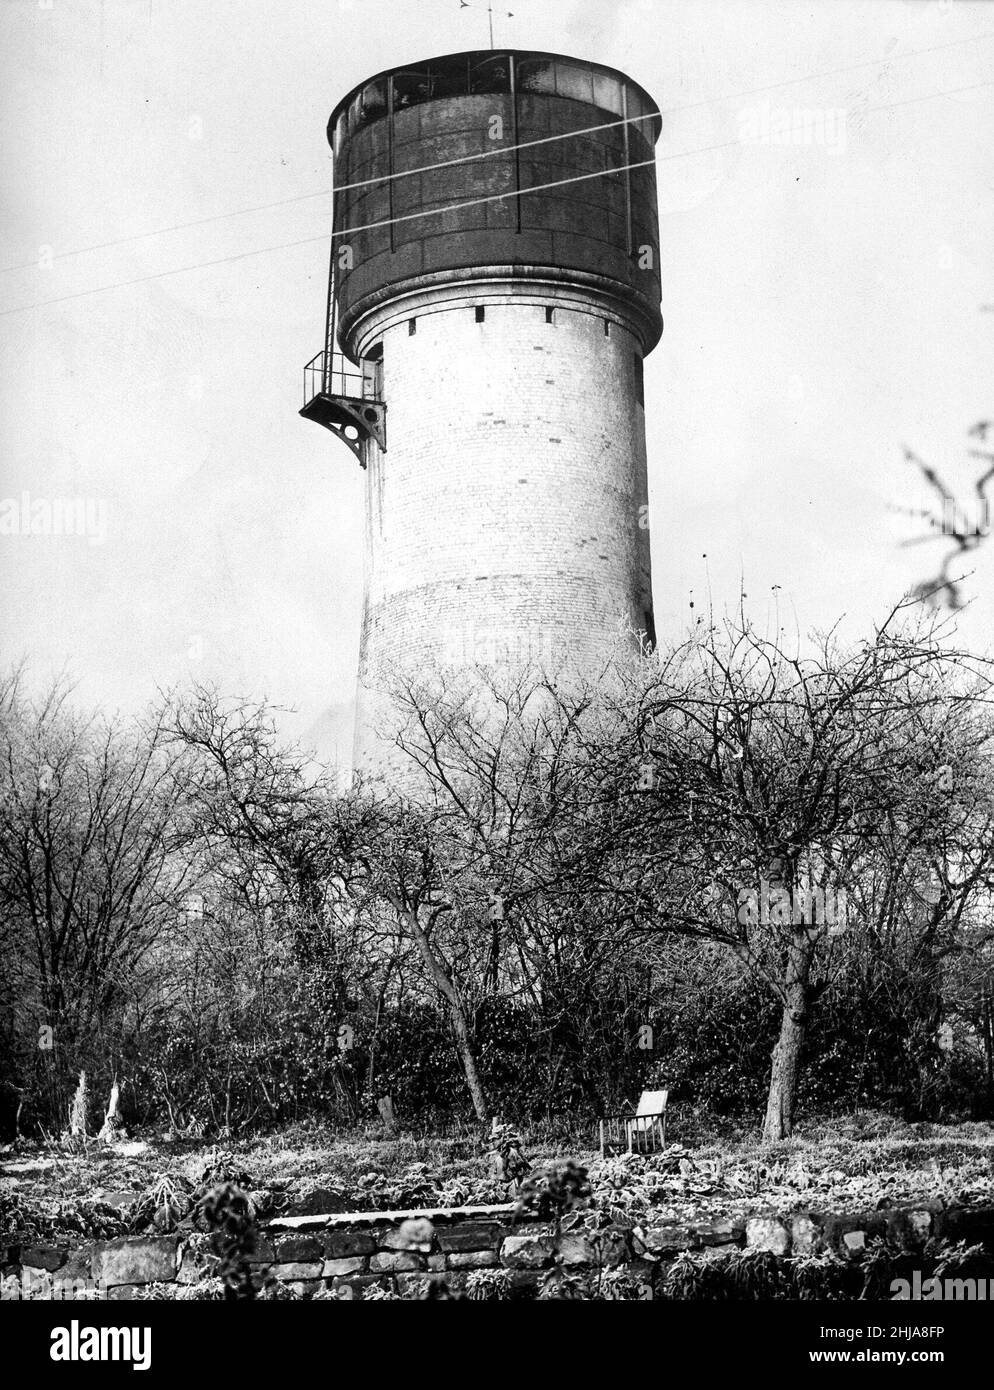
484, 362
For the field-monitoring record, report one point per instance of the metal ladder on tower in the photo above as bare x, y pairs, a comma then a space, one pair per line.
340, 396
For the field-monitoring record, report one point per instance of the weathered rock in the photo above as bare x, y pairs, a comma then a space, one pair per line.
135, 1260
353, 1264
720, 1232
48, 1257
294, 1249
576, 1248
339, 1244
670, 1237
805, 1235
836, 1228
297, 1224
287, 1273
469, 1235
78, 1264
526, 1252
391, 1260
767, 1233
472, 1259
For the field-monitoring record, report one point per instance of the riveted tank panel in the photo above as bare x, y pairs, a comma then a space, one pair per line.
499, 116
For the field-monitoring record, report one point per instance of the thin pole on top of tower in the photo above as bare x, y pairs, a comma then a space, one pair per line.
509, 14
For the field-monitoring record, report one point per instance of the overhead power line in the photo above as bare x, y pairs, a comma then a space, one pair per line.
450, 207
496, 197
489, 154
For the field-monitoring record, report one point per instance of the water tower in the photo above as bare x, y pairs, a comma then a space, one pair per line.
494, 290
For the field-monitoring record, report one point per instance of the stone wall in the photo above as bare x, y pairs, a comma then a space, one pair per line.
400, 1249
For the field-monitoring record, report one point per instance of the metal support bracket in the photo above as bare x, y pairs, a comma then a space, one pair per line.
352, 419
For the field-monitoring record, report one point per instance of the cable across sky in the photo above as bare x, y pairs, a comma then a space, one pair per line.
502, 150
450, 207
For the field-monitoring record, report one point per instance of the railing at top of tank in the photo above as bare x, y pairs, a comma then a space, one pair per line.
498, 73
331, 374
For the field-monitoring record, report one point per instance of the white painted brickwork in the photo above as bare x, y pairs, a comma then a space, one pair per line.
502, 523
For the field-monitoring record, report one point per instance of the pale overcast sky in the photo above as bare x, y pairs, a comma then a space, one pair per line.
823, 306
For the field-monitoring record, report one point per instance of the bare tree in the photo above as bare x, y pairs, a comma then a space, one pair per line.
282, 856
963, 528
763, 792
490, 867
89, 876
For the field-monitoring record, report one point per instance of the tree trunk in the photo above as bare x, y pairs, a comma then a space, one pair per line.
457, 1014
468, 1061
784, 1075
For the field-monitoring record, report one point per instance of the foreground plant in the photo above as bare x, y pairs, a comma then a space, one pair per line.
230, 1217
